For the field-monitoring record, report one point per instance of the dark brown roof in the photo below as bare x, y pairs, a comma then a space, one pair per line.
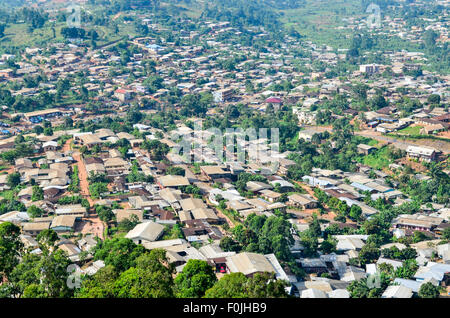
89, 160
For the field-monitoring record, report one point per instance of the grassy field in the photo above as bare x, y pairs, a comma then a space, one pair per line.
378, 160
19, 35
373, 142
317, 20
411, 130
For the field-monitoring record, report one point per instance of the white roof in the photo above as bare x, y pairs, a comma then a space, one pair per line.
420, 150
339, 293
149, 231
313, 293
398, 291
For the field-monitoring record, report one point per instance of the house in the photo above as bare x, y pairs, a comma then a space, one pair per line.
200, 231
40, 115
25, 194
163, 244
302, 201
146, 232
205, 214
4, 182
6, 73
395, 264
432, 129
91, 270
256, 186
122, 215
87, 243
214, 172
437, 271
223, 95
313, 293
350, 242
414, 224
34, 228
22, 164
50, 146
365, 149
252, 263
116, 166
313, 265
282, 185
90, 140
76, 210
71, 250
190, 204
63, 223
369, 68
422, 153
173, 181
122, 94
397, 291
270, 195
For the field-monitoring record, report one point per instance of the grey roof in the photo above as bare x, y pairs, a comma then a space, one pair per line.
411, 284
397, 291
149, 231
339, 293
313, 293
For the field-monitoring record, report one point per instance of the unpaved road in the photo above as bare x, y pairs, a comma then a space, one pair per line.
441, 145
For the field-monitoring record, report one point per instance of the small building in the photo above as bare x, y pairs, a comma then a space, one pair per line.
422, 153
122, 95
302, 201
173, 181
50, 146
34, 228
63, 223
397, 291
365, 149
146, 232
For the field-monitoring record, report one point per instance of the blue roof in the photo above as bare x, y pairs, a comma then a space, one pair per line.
412, 284
386, 119
361, 187
349, 201
154, 46
315, 181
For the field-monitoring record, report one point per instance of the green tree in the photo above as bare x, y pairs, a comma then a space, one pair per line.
38, 193
13, 179
237, 285
446, 234
355, 212
369, 254
328, 246
105, 213
151, 278
119, 252
34, 212
10, 248
195, 279
428, 290
46, 240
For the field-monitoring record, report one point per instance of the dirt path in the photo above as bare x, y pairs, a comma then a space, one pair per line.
444, 146
82, 175
66, 146
91, 224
